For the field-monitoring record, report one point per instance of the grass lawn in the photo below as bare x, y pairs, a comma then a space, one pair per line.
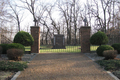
93, 48
27, 48
69, 49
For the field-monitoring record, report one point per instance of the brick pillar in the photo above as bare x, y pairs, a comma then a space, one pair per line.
35, 32
85, 39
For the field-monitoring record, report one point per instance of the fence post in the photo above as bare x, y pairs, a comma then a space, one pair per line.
85, 39
35, 32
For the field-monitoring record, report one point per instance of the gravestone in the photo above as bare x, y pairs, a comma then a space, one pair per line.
59, 42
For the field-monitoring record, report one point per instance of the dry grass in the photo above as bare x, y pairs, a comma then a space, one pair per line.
6, 75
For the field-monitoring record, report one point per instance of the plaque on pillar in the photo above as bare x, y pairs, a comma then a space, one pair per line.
59, 42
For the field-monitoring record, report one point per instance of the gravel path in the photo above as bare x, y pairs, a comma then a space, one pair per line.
63, 66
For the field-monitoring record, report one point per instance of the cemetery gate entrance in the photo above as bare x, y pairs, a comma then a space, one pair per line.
65, 42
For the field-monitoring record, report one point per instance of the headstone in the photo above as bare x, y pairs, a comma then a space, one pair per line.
59, 42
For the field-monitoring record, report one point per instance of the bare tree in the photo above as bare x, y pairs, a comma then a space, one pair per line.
3, 12
32, 8
15, 12
88, 11
95, 11
53, 22
70, 11
76, 11
2, 3
118, 18
64, 9
42, 20
99, 10
105, 5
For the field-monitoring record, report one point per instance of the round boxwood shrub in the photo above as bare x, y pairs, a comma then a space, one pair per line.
23, 38
15, 54
102, 48
116, 46
16, 46
0, 51
99, 38
118, 50
4, 48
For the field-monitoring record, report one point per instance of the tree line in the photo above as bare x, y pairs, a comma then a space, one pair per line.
101, 15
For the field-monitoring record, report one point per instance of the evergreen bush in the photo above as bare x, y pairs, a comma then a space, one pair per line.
23, 38
99, 38
118, 50
116, 46
16, 46
0, 51
12, 66
102, 48
4, 48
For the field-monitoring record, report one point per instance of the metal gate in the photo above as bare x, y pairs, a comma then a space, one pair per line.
67, 43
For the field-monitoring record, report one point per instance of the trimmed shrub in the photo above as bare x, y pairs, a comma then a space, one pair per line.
4, 48
23, 38
118, 50
102, 48
99, 38
15, 54
16, 46
110, 54
0, 51
116, 46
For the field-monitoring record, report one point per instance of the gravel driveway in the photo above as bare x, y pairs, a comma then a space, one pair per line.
63, 66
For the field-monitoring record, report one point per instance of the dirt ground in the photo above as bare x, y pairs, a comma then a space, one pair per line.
63, 66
